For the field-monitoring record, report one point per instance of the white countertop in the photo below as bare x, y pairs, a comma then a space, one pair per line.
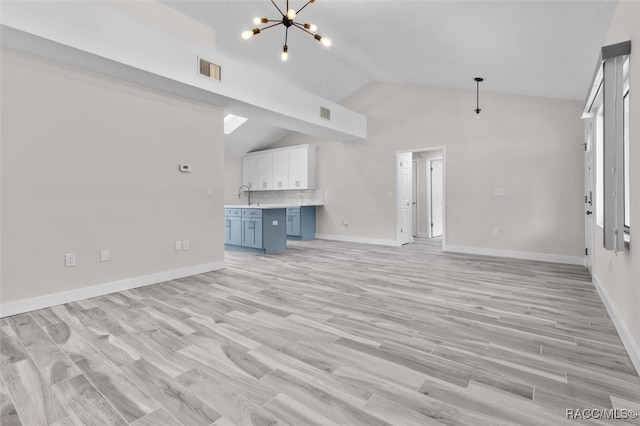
266, 206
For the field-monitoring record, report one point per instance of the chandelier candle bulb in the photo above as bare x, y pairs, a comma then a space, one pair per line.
311, 27
291, 14
257, 20
285, 53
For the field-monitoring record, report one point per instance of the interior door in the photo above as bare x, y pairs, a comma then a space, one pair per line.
588, 190
404, 192
436, 196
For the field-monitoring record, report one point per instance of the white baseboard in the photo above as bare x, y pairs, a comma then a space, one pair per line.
21, 306
543, 257
423, 234
632, 347
362, 240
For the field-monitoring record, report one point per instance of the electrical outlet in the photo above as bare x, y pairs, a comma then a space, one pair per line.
178, 245
185, 245
104, 256
209, 192
69, 260
496, 231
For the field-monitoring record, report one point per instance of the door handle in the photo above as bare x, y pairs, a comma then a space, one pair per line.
588, 212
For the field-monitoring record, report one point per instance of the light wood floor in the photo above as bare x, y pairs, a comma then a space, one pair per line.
326, 333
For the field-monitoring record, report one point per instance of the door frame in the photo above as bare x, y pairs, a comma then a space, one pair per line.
430, 196
444, 189
414, 194
589, 184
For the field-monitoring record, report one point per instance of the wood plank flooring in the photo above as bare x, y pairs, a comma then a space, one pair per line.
326, 333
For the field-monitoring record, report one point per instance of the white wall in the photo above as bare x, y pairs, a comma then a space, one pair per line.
91, 163
529, 146
233, 180
618, 275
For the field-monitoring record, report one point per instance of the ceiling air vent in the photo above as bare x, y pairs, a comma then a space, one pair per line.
209, 69
325, 113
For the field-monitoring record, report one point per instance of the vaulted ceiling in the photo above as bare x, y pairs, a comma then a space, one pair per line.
541, 48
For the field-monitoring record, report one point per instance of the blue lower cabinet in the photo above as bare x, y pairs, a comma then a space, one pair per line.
233, 226
293, 223
301, 223
256, 230
252, 232
233, 230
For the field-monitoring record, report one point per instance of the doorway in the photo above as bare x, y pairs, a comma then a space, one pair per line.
423, 209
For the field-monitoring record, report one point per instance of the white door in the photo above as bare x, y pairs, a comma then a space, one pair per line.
588, 190
414, 202
436, 197
404, 191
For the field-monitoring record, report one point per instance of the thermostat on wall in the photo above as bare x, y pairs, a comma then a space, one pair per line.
186, 168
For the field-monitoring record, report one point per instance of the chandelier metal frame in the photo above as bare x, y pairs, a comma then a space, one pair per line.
288, 20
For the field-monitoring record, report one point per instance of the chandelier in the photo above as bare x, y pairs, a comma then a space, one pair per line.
288, 20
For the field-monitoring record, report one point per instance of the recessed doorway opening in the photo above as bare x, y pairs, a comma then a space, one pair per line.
420, 201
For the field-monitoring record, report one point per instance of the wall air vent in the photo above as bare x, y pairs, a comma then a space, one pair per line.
325, 113
211, 70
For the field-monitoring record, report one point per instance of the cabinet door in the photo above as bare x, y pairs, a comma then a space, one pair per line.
295, 225
235, 231
265, 167
301, 172
289, 227
297, 169
227, 230
252, 233
281, 169
250, 171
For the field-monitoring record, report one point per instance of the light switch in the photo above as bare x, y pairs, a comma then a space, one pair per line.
178, 245
275, 223
104, 256
499, 192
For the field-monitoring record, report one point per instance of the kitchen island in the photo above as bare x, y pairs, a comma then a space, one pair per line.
258, 229
262, 228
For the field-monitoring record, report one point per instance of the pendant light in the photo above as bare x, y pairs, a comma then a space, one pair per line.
478, 81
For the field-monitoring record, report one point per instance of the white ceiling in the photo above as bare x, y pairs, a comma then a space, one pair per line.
542, 48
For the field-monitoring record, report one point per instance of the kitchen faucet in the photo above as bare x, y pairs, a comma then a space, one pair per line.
248, 193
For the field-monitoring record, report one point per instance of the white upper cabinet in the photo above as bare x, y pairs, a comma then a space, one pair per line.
265, 169
280, 169
302, 167
250, 171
